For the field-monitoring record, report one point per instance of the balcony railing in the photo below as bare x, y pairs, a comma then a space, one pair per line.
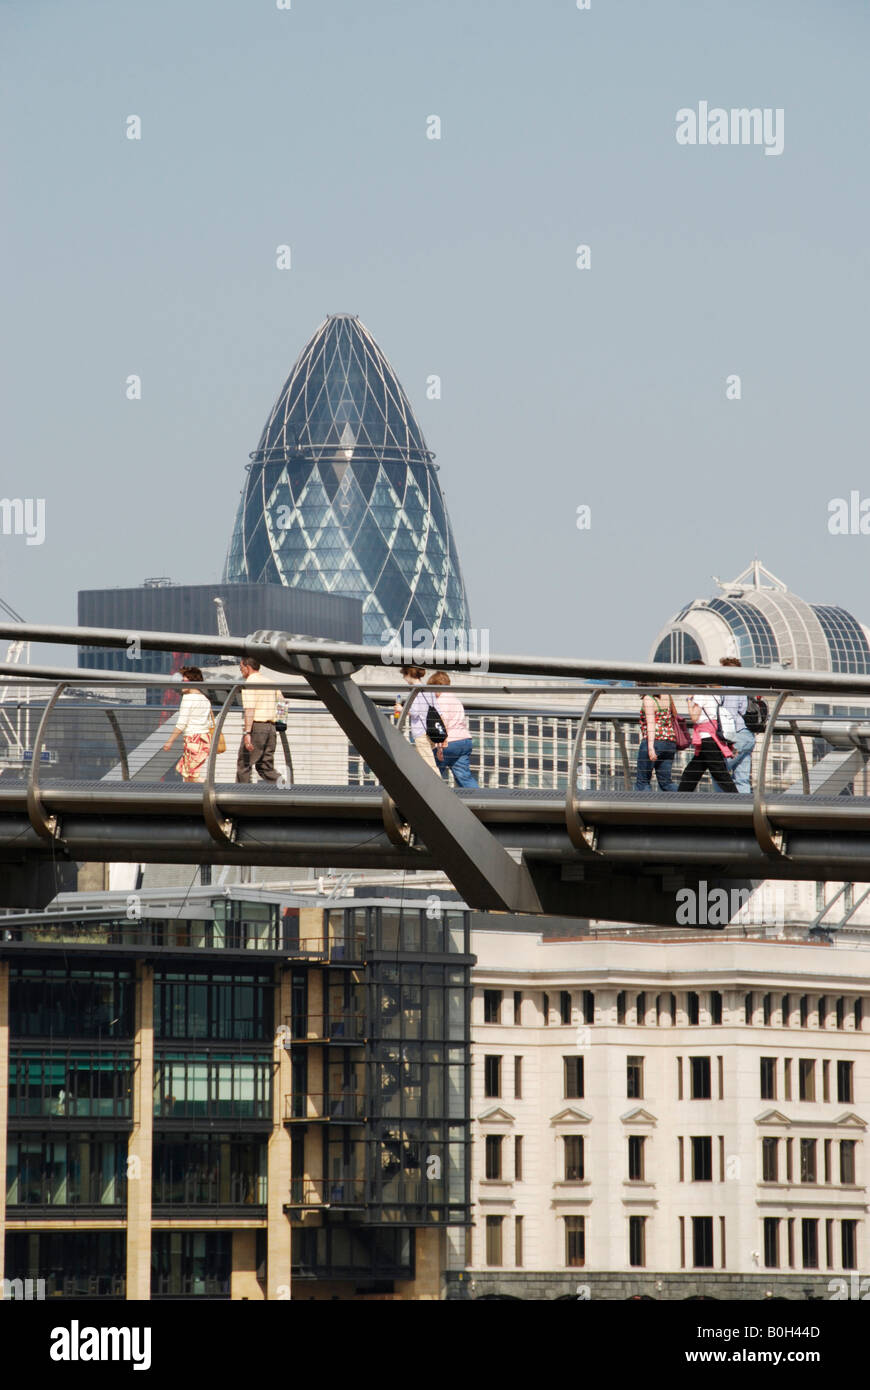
327, 1192
340, 1106
338, 1026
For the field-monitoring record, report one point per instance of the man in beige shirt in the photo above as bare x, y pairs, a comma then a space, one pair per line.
260, 706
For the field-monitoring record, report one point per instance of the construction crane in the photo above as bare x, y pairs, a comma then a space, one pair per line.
223, 628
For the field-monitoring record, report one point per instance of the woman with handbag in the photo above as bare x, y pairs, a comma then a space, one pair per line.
658, 742
710, 748
196, 724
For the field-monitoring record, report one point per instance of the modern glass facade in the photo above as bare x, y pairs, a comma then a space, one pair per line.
331, 1070
342, 496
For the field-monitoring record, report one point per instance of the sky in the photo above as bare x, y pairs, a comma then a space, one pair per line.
606, 387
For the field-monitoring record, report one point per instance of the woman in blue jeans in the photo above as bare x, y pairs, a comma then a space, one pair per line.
455, 753
658, 742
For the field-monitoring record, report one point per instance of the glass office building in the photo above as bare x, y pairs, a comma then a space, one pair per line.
342, 495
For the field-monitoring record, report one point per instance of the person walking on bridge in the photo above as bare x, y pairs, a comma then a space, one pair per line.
740, 766
195, 724
260, 706
658, 742
710, 749
413, 676
455, 752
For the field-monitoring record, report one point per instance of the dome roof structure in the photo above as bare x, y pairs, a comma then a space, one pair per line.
756, 618
342, 495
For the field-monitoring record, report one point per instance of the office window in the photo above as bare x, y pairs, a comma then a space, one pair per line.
827, 1152
492, 1005
823, 1011
518, 1158
679, 1078
634, 1078
720, 1067
722, 1238
768, 1078
205, 875
844, 1082
518, 1241
847, 1161
771, 1242
810, 1243
702, 1242
829, 1243
680, 1157
859, 1015
849, 1244
805, 1010
715, 1006
518, 1006
492, 1076
636, 1157
786, 1010
493, 1240
493, 1156
721, 1157
672, 1004
699, 1068
806, 1078
790, 1235
770, 1160
575, 1241
786, 1078
640, 1010
545, 1008
573, 1078
565, 1006
767, 1009
620, 1006
682, 1221
637, 1241
808, 1160
826, 1079
693, 1007
788, 1163
747, 1007
702, 1158
588, 1006
518, 1078
573, 1157
841, 1012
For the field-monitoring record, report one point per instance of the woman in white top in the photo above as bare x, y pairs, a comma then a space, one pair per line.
413, 675
196, 724
710, 750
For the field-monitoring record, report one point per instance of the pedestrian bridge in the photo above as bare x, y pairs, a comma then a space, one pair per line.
556, 827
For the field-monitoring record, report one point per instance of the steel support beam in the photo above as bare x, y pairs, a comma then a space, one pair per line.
479, 868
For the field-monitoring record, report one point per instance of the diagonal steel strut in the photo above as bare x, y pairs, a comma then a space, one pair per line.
479, 868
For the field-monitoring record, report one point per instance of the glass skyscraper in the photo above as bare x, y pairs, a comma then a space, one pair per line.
342, 496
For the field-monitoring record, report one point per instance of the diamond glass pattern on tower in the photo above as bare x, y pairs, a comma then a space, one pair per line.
342, 496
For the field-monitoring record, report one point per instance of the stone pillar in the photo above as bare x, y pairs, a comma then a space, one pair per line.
244, 1282
430, 1259
278, 1228
4, 1101
139, 1149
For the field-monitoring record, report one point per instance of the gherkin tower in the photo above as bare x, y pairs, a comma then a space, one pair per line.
342, 497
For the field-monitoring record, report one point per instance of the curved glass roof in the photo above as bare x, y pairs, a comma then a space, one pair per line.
848, 645
754, 634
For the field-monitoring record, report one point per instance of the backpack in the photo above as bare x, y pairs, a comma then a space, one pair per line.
756, 714
436, 731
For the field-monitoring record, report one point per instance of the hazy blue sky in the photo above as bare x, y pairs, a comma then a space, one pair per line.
560, 387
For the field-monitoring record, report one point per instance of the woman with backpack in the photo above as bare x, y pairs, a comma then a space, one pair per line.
413, 676
658, 742
740, 766
455, 751
711, 750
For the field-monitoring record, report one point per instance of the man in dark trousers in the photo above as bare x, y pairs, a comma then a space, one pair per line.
257, 748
